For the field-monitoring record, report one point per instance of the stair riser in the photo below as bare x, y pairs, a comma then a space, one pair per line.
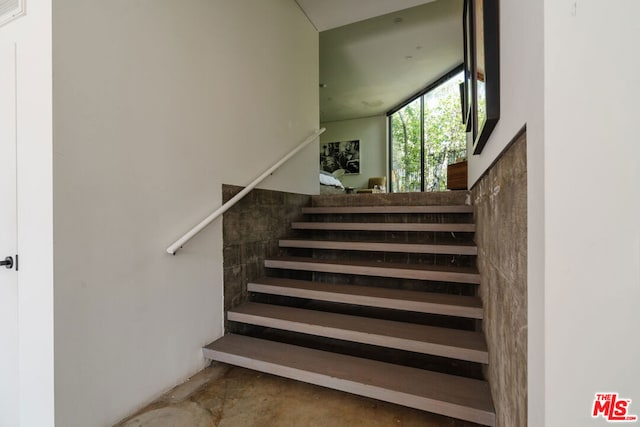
403, 237
371, 339
392, 219
394, 283
380, 247
377, 271
394, 356
365, 226
366, 390
447, 310
428, 319
408, 259
443, 198
388, 209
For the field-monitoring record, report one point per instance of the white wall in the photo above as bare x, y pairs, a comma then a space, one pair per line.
156, 104
592, 193
520, 78
31, 35
522, 89
371, 131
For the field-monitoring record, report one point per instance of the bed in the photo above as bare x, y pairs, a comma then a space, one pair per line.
329, 184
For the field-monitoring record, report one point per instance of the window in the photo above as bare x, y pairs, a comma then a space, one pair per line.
425, 135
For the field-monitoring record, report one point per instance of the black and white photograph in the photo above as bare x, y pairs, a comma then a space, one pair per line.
343, 155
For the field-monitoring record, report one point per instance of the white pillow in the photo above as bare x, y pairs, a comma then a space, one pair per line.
330, 180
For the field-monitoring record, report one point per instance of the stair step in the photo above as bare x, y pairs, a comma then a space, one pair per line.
382, 269
380, 247
387, 209
397, 299
385, 226
444, 342
444, 394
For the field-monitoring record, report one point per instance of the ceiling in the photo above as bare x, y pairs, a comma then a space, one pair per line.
328, 14
372, 65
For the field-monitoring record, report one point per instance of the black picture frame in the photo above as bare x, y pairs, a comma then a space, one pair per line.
466, 85
485, 63
344, 155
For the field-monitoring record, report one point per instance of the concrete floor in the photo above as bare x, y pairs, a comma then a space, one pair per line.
226, 396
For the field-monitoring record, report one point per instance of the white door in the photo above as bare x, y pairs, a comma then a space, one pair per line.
8, 239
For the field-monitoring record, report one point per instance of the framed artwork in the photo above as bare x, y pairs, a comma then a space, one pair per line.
343, 155
485, 63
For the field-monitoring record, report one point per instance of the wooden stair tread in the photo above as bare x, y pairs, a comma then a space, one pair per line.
444, 394
383, 269
380, 246
445, 342
388, 209
398, 299
385, 226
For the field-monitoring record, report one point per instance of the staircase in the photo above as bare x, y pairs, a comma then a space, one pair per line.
377, 301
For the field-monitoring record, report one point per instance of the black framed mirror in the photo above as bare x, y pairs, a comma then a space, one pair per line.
467, 92
482, 21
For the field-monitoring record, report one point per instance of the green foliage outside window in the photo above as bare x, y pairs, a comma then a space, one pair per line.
444, 139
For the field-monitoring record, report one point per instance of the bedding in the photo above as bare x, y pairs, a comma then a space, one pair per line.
329, 184
328, 179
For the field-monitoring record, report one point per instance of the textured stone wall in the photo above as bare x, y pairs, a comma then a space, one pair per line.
500, 211
251, 230
384, 199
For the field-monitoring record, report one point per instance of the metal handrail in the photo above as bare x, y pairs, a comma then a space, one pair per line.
225, 207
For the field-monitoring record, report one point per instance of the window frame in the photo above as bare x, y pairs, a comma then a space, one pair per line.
421, 94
